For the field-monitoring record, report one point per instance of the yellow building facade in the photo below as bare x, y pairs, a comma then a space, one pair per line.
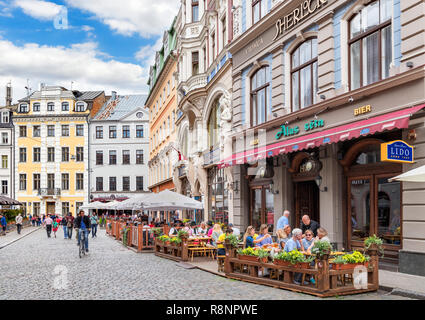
51, 149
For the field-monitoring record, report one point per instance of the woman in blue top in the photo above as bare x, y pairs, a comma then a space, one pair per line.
264, 237
308, 241
248, 238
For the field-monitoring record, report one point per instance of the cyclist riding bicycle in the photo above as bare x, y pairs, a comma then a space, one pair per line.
82, 224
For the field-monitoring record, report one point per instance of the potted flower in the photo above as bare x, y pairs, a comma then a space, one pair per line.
247, 254
374, 243
164, 239
232, 240
262, 255
350, 261
281, 259
157, 232
294, 257
321, 249
182, 234
304, 262
175, 241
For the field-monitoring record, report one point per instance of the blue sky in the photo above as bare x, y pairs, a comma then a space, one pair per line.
106, 45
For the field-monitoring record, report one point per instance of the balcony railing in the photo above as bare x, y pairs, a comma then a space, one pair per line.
46, 192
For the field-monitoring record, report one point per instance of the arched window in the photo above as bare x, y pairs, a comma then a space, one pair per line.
36, 107
51, 106
213, 126
65, 106
304, 75
260, 96
370, 42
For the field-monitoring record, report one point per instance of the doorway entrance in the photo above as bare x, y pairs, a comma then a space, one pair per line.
307, 201
50, 208
262, 207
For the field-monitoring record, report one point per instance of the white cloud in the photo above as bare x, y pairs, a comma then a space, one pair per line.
144, 17
81, 63
146, 54
42, 10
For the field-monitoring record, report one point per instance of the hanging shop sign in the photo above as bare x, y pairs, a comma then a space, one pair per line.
305, 9
397, 151
288, 131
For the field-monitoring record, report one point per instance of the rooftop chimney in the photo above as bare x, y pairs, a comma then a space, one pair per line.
9, 95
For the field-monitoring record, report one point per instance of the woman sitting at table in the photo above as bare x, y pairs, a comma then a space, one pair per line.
248, 238
322, 235
217, 232
173, 231
283, 235
202, 230
264, 237
308, 241
221, 251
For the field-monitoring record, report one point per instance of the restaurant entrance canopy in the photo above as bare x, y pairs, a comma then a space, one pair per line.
395, 120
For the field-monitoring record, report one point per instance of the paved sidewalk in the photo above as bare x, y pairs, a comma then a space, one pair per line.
403, 284
13, 236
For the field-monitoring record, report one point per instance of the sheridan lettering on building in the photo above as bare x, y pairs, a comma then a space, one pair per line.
305, 9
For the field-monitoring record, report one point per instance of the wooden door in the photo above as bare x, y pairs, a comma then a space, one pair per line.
50, 208
262, 208
307, 201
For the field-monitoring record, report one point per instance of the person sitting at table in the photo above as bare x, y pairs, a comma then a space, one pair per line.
217, 232
322, 235
264, 237
282, 237
202, 230
248, 238
308, 241
210, 228
193, 231
173, 230
295, 244
221, 251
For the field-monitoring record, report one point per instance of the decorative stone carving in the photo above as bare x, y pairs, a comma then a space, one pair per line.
225, 118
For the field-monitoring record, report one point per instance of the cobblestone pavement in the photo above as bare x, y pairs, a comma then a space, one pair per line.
13, 235
36, 267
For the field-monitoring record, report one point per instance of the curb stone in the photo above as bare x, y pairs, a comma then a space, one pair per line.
13, 241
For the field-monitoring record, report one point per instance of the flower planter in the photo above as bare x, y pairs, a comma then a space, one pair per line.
340, 266
303, 265
281, 263
247, 258
167, 243
263, 260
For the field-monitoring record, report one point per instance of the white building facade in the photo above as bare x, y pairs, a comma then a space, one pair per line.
119, 149
6, 148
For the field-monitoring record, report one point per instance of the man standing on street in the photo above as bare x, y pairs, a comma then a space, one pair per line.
283, 220
94, 222
3, 223
64, 224
69, 224
18, 221
48, 222
307, 223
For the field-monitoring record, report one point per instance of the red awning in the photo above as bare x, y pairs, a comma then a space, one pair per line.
395, 120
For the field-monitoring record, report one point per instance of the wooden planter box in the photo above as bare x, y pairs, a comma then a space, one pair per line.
281, 263
247, 258
303, 265
348, 266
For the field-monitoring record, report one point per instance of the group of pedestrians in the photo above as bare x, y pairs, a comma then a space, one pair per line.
18, 222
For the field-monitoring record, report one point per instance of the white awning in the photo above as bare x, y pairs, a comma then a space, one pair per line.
168, 201
415, 175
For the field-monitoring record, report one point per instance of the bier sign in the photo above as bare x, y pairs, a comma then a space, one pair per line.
397, 151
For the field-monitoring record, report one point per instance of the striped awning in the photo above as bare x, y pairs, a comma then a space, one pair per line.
394, 120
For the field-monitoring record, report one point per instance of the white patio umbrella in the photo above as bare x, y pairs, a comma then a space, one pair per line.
92, 205
134, 203
111, 205
415, 175
168, 201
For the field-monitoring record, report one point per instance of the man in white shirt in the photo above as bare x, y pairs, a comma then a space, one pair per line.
236, 231
18, 221
48, 223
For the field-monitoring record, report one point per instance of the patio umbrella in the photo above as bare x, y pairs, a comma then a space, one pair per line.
415, 175
134, 203
92, 205
6, 201
168, 201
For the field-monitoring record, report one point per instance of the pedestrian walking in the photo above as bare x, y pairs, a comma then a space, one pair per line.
38, 221
18, 221
33, 221
65, 228
55, 226
3, 224
94, 221
48, 222
69, 225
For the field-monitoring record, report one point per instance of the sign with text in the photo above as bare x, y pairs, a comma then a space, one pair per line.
397, 151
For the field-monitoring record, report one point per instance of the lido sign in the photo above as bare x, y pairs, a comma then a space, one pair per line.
397, 151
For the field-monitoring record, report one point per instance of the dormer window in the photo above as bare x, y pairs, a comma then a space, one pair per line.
23, 108
65, 106
36, 107
80, 107
51, 106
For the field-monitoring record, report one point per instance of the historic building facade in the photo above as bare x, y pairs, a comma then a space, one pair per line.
318, 88
119, 148
162, 106
7, 147
51, 149
204, 104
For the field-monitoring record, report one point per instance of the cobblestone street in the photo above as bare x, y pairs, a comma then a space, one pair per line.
36, 267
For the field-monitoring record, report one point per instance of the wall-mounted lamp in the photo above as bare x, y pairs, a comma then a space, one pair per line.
272, 189
323, 97
319, 180
409, 64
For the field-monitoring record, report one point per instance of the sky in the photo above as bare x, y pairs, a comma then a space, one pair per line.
90, 45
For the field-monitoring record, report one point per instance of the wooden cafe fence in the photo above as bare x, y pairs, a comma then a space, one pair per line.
137, 237
328, 282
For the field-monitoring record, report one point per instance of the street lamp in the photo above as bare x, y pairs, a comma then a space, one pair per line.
318, 180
